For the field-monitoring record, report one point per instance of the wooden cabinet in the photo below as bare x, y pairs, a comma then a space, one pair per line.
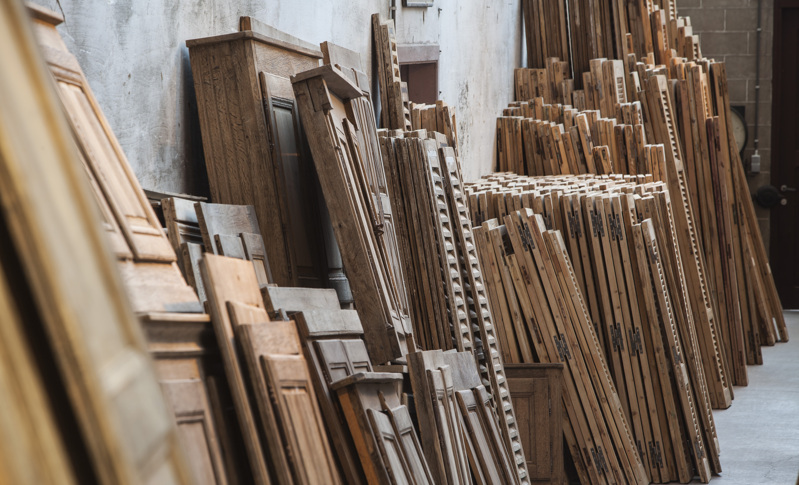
256, 153
536, 391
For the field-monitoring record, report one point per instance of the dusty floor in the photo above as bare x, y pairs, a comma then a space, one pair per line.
759, 433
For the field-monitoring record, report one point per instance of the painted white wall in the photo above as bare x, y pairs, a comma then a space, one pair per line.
135, 58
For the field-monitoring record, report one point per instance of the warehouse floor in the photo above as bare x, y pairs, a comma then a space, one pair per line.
759, 433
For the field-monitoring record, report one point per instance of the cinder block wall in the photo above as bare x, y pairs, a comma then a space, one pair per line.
728, 32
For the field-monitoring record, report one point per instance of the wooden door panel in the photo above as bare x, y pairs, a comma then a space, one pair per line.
343, 358
233, 280
390, 448
109, 167
303, 247
409, 442
484, 459
300, 419
195, 428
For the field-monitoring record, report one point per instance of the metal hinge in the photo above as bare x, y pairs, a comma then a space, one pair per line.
612, 227
616, 336
619, 233
594, 224
603, 465
527, 238
636, 347
562, 347
655, 455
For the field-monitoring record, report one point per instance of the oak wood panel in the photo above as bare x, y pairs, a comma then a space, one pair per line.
536, 390
99, 349
233, 280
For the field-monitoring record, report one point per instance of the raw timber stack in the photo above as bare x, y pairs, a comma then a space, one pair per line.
642, 321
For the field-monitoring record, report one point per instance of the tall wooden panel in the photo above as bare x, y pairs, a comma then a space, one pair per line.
332, 110
146, 259
189, 369
98, 347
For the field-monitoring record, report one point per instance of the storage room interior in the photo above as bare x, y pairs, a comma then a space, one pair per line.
399, 242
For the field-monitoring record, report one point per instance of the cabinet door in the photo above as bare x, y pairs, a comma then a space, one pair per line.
537, 399
300, 420
302, 244
104, 159
195, 428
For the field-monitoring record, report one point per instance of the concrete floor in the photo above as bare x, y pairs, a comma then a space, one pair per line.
759, 433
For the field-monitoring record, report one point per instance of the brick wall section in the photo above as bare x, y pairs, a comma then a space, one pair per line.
727, 32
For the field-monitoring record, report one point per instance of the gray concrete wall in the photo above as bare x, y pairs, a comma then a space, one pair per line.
727, 32
135, 58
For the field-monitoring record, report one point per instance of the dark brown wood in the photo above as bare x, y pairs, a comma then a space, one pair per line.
536, 390
247, 107
785, 153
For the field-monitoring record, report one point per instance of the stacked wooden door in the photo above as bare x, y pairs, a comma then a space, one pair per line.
178, 332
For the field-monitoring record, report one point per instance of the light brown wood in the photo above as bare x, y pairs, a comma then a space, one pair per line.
71, 280
233, 280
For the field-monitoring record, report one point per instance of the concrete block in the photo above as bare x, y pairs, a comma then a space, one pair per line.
766, 43
704, 19
685, 4
738, 91
738, 66
730, 3
764, 134
765, 90
740, 19
715, 44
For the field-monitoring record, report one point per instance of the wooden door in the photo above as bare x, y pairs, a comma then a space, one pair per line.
290, 154
785, 152
66, 267
189, 403
536, 390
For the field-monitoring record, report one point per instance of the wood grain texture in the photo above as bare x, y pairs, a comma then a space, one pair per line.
250, 110
233, 280
72, 280
323, 96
